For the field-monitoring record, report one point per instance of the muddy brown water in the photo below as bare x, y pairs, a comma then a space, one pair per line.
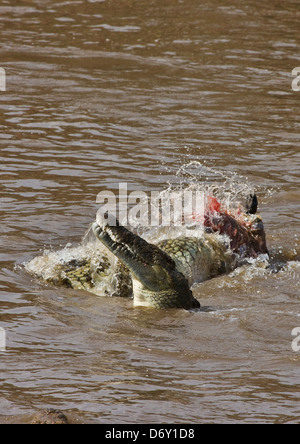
99, 92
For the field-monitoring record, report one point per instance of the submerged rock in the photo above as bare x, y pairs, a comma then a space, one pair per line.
50, 416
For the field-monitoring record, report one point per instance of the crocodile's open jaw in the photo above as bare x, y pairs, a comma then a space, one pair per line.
156, 281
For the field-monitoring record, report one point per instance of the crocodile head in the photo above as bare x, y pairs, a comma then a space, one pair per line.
156, 281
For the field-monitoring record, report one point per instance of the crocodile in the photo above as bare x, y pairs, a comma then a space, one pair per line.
160, 275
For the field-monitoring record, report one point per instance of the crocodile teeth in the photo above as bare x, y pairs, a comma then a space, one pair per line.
97, 229
118, 245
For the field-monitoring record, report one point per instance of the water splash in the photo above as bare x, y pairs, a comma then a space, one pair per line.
227, 187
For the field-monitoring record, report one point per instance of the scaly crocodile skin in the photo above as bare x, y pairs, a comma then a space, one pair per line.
161, 275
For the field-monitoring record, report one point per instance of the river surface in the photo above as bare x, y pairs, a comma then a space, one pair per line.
148, 93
